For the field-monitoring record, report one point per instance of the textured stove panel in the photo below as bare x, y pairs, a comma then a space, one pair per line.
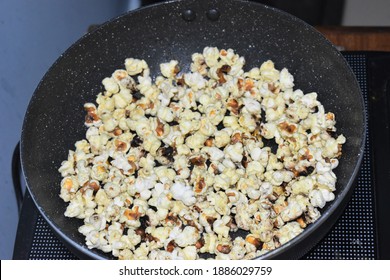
353, 236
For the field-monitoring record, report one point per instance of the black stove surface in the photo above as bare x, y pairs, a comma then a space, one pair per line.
361, 231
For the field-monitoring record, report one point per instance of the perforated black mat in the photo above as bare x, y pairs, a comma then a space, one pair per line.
352, 237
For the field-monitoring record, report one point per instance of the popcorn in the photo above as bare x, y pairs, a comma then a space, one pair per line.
268, 71
291, 212
288, 232
112, 189
222, 138
252, 106
215, 154
110, 85
135, 66
195, 81
211, 56
165, 114
286, 79
169, 69
220, 227
187, 237
171, 166
234, 152
184, 193
319, 197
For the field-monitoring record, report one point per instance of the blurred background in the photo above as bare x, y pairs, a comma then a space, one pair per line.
33, 33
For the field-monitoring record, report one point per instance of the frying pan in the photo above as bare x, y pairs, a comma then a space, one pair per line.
174, 30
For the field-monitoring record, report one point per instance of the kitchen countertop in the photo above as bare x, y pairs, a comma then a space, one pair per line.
358, 38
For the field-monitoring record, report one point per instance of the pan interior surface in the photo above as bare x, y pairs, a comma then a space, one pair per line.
55, 117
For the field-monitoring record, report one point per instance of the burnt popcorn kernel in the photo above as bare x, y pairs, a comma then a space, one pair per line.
150, 238
284, 184
262, 115
271, 143
224, 249
89, 118
195, 110
303, 173
198, 161
276, 241
211, 221
145, 222
307, 172
244, 161
220, 126
136, 142
173, 123
232, 224
255, 242
180, 81
137, 95
225, 68
200, 243
140, 232
168, 152
190, 223
332, 133
171, 246
310, 169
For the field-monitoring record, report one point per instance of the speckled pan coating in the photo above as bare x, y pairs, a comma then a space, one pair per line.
54, 119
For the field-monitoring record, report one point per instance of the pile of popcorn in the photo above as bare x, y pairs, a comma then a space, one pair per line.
172, 167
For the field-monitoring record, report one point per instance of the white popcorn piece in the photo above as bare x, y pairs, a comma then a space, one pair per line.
286, 79
184, 193
292, 211
211, 56
252, 106
288, 232
319, 197
268, 71
234, 152
187, 237
220, 226
110, 85
169, 69
215, 154
222, 138
195, 81
189, 253
135, 66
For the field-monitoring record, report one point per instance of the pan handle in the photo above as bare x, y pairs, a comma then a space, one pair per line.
16, 169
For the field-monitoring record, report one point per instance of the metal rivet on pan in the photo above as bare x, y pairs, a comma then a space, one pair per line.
213, 14
188, 15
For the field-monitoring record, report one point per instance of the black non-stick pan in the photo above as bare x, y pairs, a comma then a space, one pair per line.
174, 30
